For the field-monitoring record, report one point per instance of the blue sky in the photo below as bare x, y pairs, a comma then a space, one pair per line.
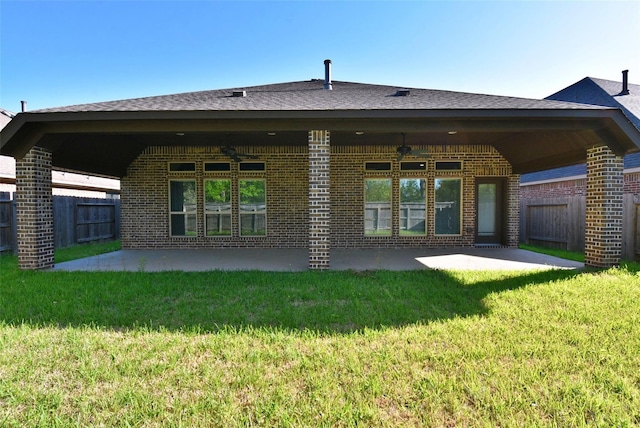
57, 53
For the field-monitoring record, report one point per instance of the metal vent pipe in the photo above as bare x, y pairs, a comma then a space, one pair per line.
625, 82
327, 75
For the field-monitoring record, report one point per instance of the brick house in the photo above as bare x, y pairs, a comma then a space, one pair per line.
319, 164
564, 189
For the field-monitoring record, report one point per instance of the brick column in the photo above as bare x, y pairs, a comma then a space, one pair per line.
319, 200
603, 232
34, 206
513, 213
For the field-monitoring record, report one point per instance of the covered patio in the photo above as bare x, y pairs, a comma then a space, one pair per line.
296, 260
318, 168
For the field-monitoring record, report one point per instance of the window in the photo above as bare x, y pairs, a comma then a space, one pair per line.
217, 207
182, 166
182, 207
448, 193
252, 166
413, 206
377, 206
449, 166
253, 207
377, 166
413, 166
217, 166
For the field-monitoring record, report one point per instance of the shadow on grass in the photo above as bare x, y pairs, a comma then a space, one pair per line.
327, 302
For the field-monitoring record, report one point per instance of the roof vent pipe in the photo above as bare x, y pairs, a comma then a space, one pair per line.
327, 75
24, 106
625, 82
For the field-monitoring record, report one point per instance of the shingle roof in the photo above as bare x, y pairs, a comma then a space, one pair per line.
597, 92
630, 161
601, 92
5, 117
310, 95
530, 134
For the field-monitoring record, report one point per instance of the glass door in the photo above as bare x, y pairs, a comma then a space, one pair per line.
489, 209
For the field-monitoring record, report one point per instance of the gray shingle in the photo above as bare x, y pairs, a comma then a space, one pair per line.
600, 92
310, 96
597, 92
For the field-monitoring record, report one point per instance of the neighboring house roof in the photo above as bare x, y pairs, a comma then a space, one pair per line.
601, 92
597, 92
573, 171
105, 137
5, 117
60, 179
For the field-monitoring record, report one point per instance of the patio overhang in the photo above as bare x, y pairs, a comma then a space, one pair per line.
106, 142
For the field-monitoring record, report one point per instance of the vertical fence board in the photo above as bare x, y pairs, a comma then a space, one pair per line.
636, 246
542, 223
546, 222
629, 227
6, 222
75, 220
576, 222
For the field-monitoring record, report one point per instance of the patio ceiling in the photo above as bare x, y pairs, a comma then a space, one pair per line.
107, 142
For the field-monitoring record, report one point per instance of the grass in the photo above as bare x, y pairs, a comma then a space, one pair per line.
85, 250
563, 254
421, 348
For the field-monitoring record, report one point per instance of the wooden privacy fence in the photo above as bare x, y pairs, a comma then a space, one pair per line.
7, 222
560, 223
75, 221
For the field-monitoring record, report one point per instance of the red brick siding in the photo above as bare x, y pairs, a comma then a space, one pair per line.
556, 189
632, 183
578, 187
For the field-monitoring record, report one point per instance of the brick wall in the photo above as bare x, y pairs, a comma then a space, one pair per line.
319, 199
578, 187
145, 198
513, 211
145, 213
556, 189
632, 183
34, 205
603, 233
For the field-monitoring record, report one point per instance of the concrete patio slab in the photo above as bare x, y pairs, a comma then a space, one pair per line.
296, 260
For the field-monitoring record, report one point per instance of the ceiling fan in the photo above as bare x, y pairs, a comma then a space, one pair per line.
233, 154
404, 150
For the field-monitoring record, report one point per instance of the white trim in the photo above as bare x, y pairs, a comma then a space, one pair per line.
555, 180
632, 170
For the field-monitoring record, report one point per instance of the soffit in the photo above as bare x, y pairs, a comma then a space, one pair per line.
529, 145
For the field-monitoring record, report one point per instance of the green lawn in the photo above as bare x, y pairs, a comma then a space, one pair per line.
421, 348
564, 254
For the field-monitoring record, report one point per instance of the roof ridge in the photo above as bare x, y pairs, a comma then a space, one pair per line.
612, 81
